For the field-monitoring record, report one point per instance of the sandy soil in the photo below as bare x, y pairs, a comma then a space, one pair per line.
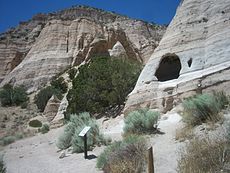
39, 154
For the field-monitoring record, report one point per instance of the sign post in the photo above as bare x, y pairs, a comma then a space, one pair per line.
150, 160
83, 134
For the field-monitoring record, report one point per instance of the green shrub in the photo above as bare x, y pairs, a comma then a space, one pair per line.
24, 105
45, 128
204, 107
7, 140
102, 84
141, 121
13, 96
44, 95
128, 155
60, 84
2, 165
70, 135
35, 123
72, 73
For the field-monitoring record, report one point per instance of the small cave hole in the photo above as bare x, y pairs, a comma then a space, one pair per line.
169, 68
190, 62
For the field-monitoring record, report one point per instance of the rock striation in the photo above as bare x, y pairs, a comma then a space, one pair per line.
192, 57
35, 51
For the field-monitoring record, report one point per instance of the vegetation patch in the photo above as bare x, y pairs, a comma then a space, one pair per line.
58, 87
204, 155
128, 155
204, 107
44, 95
35, 123
2, 165
72, 73
59, 84
184, 133
7, 140
102, 84
13, 96
142, 121
70, 136
45, 128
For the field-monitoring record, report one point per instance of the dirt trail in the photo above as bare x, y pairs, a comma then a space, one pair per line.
39, 154
165, 146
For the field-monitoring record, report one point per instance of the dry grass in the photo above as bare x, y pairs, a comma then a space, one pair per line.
127, 156
203, 155
186, 133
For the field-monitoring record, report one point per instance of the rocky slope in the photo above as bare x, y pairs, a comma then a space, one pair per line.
192, 57
33, 52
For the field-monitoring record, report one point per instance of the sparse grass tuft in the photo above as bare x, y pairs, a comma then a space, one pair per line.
142, 121
204, 107
128, 155
70, 135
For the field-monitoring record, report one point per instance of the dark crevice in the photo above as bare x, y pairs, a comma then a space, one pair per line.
190, 62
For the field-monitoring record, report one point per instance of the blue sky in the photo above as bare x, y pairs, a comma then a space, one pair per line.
158, 11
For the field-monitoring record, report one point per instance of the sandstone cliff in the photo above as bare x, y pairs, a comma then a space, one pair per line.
192, 57
32, 53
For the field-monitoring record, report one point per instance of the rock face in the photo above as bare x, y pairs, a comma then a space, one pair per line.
51, 108
35, 51
192, 57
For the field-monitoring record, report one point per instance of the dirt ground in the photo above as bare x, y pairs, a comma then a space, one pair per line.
39, 154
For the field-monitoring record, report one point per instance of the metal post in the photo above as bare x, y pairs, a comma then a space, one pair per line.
150, 160
85, 145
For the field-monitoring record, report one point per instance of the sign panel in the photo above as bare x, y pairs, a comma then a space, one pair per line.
84, 131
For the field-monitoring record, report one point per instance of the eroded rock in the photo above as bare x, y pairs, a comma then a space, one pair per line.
197, 45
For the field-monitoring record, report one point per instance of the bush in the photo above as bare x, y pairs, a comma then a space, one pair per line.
35, 123
60, 84
128, 155
44, 95
203, 155
7, 140
2, 165
141, 121
45, 128
24, 105
204, 107
102, 84
72, 73
70, 135
13, 96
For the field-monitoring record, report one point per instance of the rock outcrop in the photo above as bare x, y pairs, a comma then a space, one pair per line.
37, 50
51, 108
192, 57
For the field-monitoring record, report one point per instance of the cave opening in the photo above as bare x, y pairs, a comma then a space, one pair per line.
169, 68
